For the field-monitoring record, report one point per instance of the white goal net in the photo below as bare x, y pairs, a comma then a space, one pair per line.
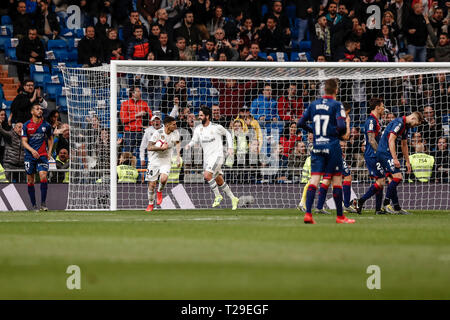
112, 107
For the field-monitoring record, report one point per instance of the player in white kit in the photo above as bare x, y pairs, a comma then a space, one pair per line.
161, 146
209, 136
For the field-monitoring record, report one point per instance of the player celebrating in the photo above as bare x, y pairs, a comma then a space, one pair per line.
37, 140
387, 156
209, 136
161, 146
328, 121
372, 134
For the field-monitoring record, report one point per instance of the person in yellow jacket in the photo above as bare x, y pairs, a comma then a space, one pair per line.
250, 123
126, 170
3, 175
421, 166
175, 170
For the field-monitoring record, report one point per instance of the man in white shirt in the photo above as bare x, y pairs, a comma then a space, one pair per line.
155, 125
161, 146
209, 136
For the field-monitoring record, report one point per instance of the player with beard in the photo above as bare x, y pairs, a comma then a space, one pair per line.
209, 136
37, 140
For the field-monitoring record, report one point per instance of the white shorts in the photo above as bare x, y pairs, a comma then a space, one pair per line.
154, 171
214, 166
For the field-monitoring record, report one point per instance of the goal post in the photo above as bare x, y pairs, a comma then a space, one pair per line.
96, 98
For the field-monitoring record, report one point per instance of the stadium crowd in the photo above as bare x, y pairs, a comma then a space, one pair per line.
260, 116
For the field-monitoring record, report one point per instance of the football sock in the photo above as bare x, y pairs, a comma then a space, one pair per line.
32, 194
310, 194
322, 196
161, 186
305, 190
337, 196
374, 189
346, 189
226, 188
378, 199
392, 191
44, 187
214, 188
151, 196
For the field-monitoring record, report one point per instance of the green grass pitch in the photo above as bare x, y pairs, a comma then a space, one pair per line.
221, 254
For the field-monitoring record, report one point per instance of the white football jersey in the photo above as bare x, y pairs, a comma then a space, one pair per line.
162, 157
145, 139
210, 139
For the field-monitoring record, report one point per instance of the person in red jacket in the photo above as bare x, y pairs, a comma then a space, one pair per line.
232, 95
133, 112
290, 106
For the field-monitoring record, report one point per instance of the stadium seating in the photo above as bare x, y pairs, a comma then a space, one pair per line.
10, 52
53, 90
61, 103
275, 56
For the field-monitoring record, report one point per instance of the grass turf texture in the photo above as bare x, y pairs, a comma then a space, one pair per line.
221, 254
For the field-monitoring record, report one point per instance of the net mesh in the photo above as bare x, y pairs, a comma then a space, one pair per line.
259, 107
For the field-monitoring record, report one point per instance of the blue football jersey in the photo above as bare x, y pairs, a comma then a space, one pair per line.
324, 113
397, 127
371, 125
38, 135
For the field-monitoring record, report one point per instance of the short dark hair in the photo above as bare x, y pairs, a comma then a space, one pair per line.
374, 102
138, 26
168, 119
331, 86
206, 111
347, 106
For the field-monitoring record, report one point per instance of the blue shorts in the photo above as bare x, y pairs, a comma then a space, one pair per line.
327, 161
345, 171
374, 167
36, 165
387, 163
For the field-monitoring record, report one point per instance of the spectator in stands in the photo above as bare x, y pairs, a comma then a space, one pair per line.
133, 113
164, 50
224, 46
232, 95
62, 163
320, 37
89, 46
216, 22
188, 30
298, 156
207, 53
347, 53
340, 25
46, 22
233, 28
153, 37
128, 27
53, 119
167, 24
249, 34
185, 53
249, 124
430, 129
147, 10
30, 49
218, 118
354, 146
390, 41
417, 34
288, 140
22, 21
290, 105
303, 9
94, 61
14, 151
271, 37
281, 19
441, 161
6, 127
202, 9
241, 141
102, 27
62, 138
382, 53
442, 46
139, 47
417, 143
113, 47
254, 54
244, 52
22, 103
175, 89
264, 107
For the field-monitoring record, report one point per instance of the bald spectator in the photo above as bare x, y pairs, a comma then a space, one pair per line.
22, 21
89, 46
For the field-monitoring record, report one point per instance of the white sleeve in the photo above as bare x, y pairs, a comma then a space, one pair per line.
195, 138
224, 132
174, 112
143, 147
